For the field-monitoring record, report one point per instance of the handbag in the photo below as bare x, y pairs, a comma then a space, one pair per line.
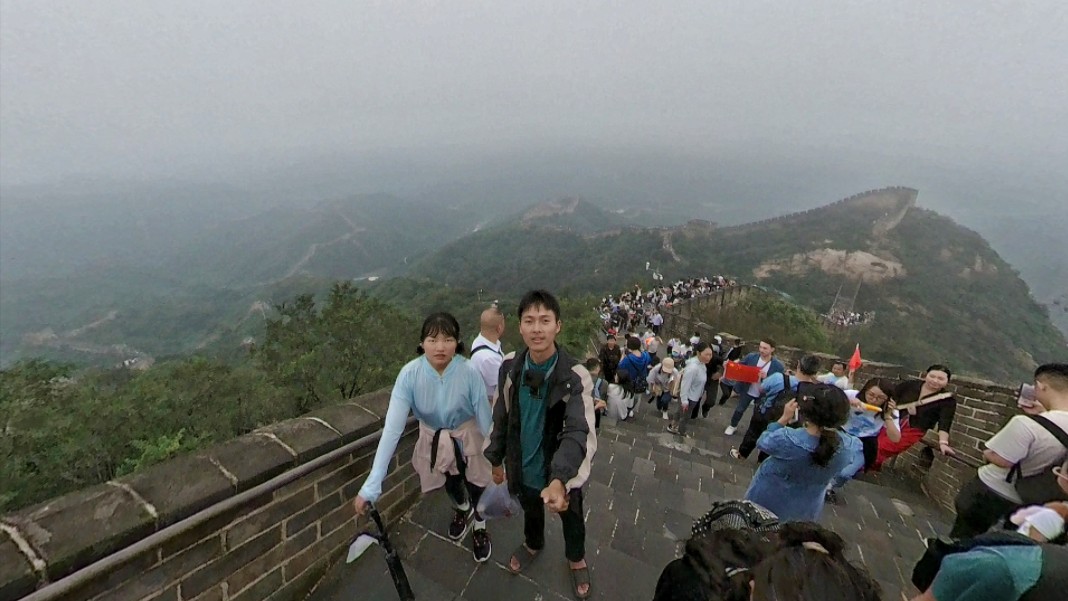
1041, 487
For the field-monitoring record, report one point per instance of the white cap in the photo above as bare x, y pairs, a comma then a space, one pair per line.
1046, 521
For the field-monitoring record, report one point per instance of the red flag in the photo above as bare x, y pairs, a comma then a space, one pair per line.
855, 362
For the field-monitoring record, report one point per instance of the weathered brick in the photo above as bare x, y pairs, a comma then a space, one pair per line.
338, 517
212, 526
133, 568
299, 583
271, 515
164, 574
296, 522
261, 589
216, 571
328, 543
215, 593
270, 560
355, 470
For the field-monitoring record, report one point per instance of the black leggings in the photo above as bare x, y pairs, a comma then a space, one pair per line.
461, 491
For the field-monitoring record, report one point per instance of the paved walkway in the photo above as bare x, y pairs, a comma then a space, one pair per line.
647, 487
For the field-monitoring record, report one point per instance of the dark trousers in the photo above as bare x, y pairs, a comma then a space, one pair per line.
534, 523
758, 423
871, 451
979, 508
461, 491
663, 401
725, 392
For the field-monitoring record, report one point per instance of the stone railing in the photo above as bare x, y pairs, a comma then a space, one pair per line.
983, 407
258, 517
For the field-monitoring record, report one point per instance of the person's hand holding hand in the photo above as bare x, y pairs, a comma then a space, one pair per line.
555, 497
498, 474
600, 405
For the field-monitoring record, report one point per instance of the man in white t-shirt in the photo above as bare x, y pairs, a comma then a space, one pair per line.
837, 376
990, 497
486, 354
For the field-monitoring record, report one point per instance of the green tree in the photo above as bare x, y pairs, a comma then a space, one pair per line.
354, 344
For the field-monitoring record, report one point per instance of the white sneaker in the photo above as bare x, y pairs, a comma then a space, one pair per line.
730, 430
630, 415
665, 415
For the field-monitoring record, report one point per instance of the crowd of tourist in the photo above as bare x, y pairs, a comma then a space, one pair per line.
637, 309
851, 318
528, 420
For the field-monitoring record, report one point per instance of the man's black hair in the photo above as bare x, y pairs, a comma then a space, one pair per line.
1054, 374
840, 362
539, 298
809, 365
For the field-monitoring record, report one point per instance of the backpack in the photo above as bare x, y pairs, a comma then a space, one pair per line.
639, 384
1041, 487
676, 384
772, 408
925, 570
483, 347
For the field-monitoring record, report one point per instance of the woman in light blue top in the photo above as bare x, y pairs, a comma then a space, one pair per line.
803, 461
448, 397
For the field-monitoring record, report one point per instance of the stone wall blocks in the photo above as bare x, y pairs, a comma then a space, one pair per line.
17, 576
309, 438
180, 486
351, 420
74, 530
251, 460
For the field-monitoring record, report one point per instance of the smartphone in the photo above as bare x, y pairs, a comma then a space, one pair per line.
1026, 396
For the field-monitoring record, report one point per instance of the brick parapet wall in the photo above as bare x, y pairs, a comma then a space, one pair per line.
275, 546
983, 407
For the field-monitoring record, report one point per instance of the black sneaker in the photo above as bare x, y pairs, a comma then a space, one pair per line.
831, 496
459, 524
481, 547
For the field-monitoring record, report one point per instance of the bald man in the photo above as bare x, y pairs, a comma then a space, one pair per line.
486, 355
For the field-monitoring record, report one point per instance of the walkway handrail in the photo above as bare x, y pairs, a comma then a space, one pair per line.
71, 582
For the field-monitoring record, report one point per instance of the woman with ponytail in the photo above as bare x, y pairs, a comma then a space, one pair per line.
448, 397
803, 461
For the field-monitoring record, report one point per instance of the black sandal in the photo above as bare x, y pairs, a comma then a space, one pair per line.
523, 556
580, 576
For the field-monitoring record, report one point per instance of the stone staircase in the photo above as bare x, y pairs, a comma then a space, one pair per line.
647, 487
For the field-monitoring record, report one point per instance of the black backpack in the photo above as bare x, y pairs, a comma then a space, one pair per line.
923, 574
1041, 487
483, 347
774, 411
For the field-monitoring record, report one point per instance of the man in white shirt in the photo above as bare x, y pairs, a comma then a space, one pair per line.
837, 376
486, 355
990, 497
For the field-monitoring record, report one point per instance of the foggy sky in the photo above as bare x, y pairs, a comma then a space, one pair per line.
163, 88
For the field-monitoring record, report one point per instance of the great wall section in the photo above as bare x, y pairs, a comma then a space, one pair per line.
265, 515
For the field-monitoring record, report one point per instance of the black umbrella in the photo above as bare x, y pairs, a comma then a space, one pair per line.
366, 540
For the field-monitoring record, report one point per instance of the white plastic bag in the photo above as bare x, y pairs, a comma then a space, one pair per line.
497, 503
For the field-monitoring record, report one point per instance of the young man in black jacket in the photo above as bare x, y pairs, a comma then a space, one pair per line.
543, 435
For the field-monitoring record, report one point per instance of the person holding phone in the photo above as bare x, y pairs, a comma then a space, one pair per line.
803, 461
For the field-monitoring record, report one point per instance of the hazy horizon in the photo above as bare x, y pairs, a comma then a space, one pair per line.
215, 92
